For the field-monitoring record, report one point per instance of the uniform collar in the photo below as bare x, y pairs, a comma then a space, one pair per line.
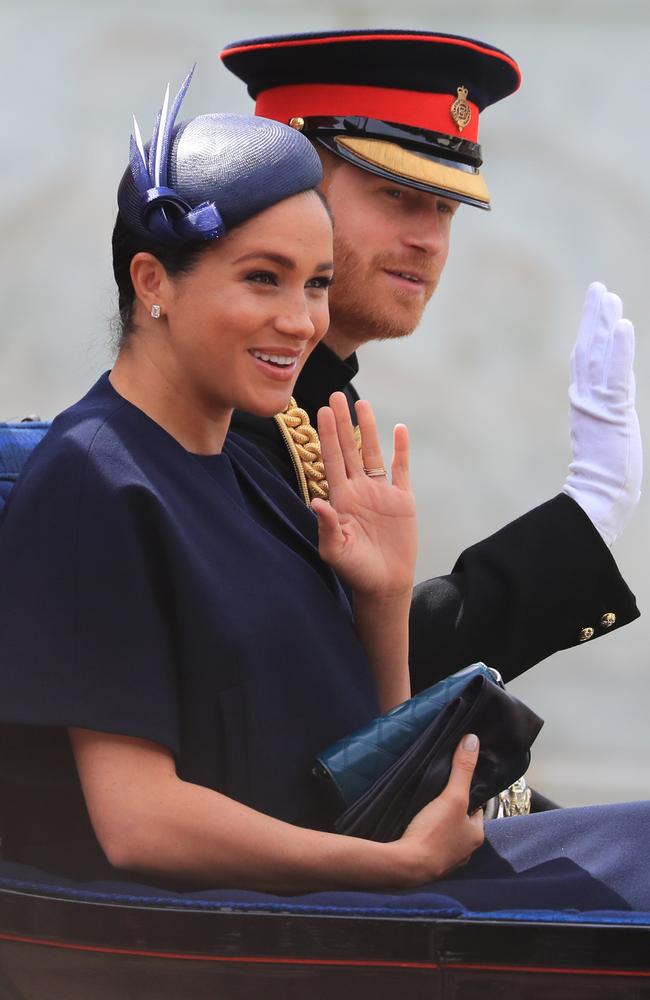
323, 374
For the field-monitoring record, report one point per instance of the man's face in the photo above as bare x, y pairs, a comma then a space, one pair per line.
390, 246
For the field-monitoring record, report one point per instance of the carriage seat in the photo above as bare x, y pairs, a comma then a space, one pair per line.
17, 441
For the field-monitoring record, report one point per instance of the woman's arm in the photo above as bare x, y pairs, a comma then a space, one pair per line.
382, 626
148, 820
367, 533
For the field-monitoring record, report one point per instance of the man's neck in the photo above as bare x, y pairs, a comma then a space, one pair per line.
342, 343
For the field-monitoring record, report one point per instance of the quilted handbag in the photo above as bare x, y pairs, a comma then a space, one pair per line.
386, 772
353, 764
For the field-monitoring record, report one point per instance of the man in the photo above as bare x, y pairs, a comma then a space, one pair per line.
394, 116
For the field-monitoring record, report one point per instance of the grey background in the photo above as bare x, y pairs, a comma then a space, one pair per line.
482, 384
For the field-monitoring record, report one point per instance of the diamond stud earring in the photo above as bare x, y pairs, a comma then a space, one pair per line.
155, 311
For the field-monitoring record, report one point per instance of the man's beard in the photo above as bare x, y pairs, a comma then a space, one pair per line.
355, 312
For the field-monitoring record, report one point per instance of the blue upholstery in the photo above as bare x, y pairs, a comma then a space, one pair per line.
17, 441
415, 904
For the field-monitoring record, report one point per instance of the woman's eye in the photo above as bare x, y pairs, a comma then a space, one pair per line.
262, 278
394, 193
320, 283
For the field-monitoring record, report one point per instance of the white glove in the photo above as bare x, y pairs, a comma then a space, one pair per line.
605, 474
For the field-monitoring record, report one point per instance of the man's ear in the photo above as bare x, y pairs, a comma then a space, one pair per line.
330, 164
150, 281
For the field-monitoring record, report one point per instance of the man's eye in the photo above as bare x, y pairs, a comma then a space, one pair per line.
394, 193
262, 278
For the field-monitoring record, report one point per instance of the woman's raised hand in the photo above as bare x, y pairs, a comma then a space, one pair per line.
367, 532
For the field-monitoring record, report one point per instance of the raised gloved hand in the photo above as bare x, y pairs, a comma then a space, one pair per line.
605, 474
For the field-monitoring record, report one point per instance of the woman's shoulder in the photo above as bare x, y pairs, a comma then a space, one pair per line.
76, 429
91, 441
241, 449
269, 485
260, 469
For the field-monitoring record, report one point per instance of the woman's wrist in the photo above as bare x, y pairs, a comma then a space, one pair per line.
382, 626
387, 866
403, 865
387, 599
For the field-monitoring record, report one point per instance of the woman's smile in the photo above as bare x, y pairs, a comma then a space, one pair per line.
277, 363
236, 328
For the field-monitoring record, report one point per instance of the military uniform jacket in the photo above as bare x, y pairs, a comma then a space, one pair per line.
545, 582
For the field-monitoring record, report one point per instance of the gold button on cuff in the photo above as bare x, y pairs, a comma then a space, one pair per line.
586, 633
297, 122
608, 619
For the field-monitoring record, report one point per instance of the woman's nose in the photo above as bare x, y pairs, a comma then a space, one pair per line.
294, 320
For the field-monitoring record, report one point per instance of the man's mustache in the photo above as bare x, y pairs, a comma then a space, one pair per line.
421, 267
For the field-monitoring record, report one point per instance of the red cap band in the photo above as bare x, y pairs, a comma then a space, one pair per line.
408, 107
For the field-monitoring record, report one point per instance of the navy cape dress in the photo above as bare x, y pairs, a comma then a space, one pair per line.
179, 598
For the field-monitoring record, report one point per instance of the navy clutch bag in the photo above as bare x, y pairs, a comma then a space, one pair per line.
387, 771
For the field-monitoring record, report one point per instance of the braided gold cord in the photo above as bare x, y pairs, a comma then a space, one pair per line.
306, 448
304, 444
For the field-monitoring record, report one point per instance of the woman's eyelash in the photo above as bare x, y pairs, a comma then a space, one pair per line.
263, 277
268, 278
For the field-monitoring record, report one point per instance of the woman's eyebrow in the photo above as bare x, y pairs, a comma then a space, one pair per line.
278, 258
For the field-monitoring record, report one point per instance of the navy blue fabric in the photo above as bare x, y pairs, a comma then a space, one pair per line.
17, 441
112, 512
589, 864
150, 592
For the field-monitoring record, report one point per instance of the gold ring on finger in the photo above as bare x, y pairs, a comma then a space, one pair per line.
375, 472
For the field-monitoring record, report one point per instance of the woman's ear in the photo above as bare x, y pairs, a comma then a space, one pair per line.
150, 283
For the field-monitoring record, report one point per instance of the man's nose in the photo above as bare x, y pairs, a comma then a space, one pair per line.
425, 233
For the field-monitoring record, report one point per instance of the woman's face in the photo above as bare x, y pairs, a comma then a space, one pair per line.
242, 323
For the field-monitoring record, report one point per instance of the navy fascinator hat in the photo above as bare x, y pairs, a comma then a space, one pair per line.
197, 180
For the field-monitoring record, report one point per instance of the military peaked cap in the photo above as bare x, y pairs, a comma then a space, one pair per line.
401, 104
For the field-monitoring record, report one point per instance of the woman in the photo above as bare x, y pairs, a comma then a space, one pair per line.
184, 634
175, 652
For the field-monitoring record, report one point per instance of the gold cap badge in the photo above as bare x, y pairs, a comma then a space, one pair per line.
297, 123
460, 110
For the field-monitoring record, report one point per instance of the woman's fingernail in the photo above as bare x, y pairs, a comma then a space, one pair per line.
470, 742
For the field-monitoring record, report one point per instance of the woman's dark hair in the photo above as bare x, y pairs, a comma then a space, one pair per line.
176, 259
